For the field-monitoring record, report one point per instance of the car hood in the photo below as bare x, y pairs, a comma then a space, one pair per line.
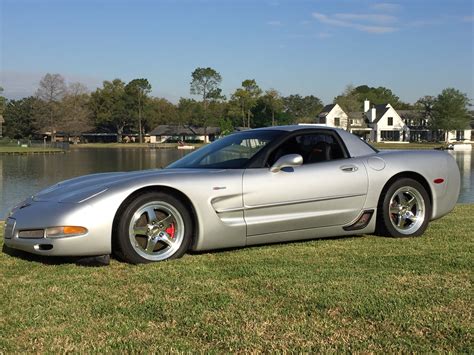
85, 187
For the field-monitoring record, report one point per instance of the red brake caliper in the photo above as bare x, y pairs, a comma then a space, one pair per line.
170, 230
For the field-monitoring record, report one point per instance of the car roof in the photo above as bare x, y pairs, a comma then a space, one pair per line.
354, 144
296, 127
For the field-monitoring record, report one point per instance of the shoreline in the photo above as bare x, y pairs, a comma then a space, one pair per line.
29, 151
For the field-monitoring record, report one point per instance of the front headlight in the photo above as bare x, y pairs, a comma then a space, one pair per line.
53, 232
66, 231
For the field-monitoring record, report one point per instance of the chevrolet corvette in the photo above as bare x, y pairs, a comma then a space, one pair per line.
259, 186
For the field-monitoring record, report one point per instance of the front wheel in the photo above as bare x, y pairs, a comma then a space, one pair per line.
405, 209
154, 226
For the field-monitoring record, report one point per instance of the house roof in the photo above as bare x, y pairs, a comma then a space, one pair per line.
380, 110
326, 109
174, 130
357, 116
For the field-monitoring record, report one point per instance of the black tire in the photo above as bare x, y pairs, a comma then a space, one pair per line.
138, 252
402, 224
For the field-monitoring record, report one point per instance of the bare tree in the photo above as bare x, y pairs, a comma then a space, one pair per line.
51, 90
75, 111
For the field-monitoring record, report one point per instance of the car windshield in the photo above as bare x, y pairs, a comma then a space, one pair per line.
231, 152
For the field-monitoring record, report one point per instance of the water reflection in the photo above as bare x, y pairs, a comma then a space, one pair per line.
24, 175
465, 164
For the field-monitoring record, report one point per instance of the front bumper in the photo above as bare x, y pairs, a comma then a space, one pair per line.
42, 215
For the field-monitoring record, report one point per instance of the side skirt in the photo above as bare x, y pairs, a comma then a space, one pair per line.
305, 234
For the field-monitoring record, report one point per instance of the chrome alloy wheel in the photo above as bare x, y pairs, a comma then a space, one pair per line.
407, 210
156, 230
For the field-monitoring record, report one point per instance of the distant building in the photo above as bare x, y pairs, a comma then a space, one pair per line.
358, 124
385, 122
175, 133
333, 116
377, 123
380, 123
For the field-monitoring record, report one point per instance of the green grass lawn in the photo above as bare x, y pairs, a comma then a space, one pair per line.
26, 150
369, 294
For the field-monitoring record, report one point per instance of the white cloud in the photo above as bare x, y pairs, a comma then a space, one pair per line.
425, 22
375, 18
386, 7
370, 23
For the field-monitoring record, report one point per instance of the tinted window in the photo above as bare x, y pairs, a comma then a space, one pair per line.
231, 152
314, 148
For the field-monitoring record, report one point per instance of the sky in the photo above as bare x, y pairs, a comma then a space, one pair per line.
306, 47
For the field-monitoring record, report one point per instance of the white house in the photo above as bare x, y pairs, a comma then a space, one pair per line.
377, 123
464, 135
385, 122
333, 116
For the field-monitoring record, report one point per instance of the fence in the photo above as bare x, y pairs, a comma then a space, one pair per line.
6, 142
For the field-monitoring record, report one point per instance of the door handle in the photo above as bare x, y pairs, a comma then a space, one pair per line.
349, 168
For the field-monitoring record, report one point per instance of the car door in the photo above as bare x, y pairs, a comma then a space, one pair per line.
325, 191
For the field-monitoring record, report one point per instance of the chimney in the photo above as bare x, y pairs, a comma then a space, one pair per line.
366, 105
373, 114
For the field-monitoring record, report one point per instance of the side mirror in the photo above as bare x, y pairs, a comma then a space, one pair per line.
287, 161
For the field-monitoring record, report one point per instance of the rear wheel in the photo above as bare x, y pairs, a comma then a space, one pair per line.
405, 209
153, 227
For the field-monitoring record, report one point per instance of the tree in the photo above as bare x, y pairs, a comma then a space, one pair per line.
425, 106
205, 82
302, 109
450, 111
137, 91
51, 90
349, 102
379, 95
3, 101
190, 111
75, 109
108, 107
160, 111
20, 117
273, 103
245, 98
226, 126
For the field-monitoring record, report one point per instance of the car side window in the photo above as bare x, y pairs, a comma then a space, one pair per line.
313, 147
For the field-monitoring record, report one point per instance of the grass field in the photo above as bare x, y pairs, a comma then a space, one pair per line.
27, 150
369, 294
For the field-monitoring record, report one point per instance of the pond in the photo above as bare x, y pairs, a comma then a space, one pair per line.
24, 175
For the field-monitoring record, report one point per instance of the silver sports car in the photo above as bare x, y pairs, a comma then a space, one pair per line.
259, 186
